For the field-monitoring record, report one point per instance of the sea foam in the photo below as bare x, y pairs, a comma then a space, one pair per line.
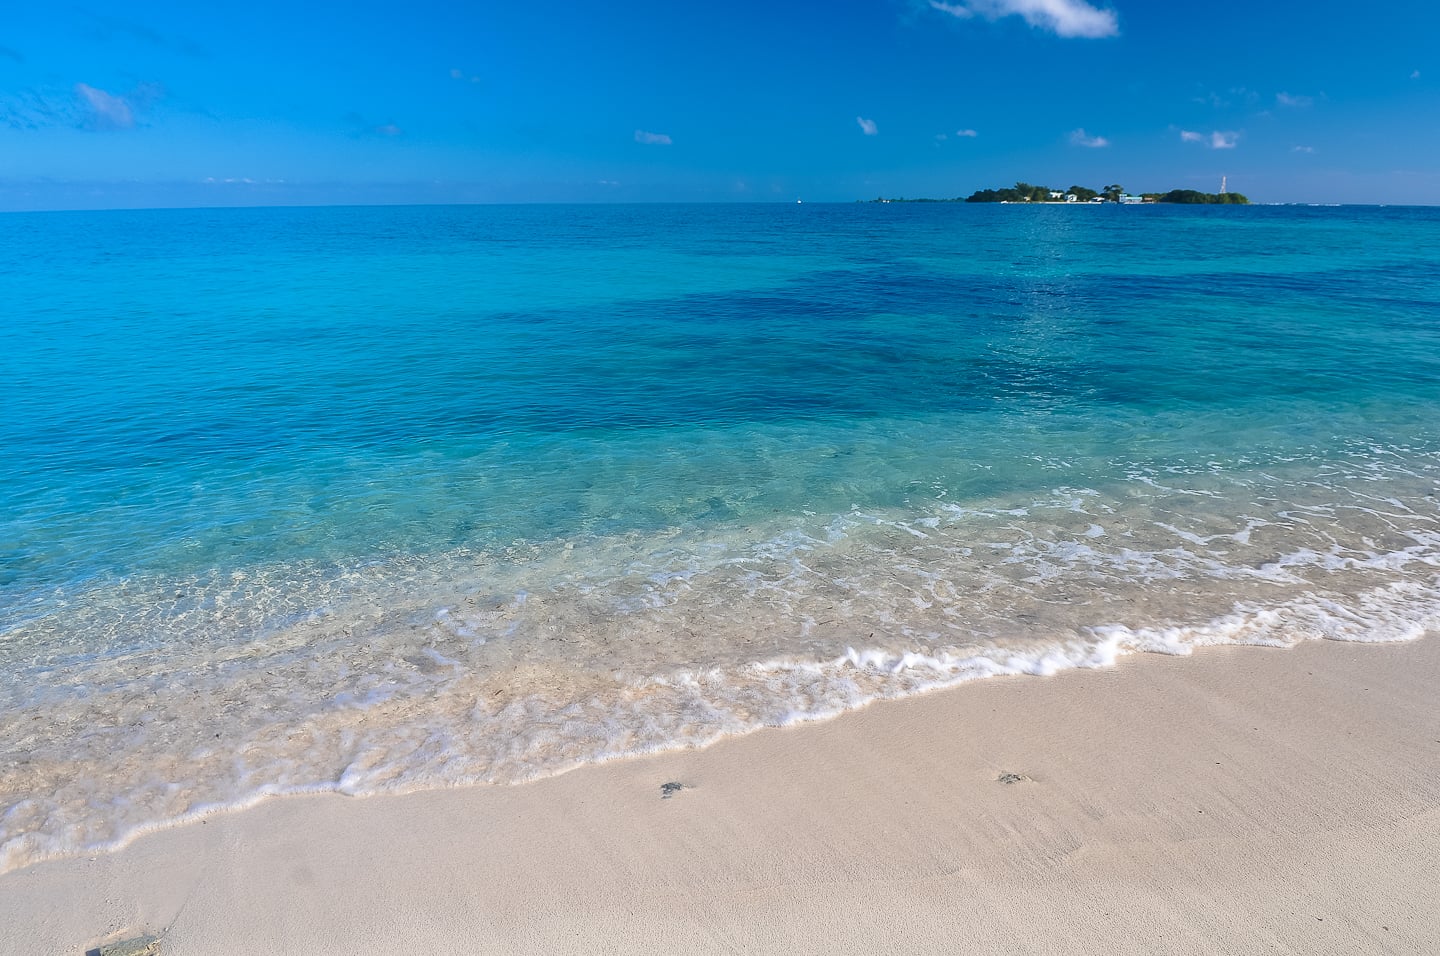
468, 668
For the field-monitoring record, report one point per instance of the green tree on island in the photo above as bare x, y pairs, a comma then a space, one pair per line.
1194, 196
1023, 192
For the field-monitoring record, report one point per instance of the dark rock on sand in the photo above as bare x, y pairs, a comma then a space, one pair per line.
137, 946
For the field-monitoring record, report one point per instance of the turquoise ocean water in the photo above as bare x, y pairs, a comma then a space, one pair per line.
377, 499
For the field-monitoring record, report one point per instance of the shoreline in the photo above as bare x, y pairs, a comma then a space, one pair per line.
1244, 799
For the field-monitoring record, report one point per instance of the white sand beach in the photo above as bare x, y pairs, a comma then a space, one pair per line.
1245, 800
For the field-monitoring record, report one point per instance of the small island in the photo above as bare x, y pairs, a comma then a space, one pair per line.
1026, 193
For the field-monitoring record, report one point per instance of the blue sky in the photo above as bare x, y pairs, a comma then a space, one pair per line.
180, 104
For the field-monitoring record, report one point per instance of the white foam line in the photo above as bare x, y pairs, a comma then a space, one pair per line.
825, 689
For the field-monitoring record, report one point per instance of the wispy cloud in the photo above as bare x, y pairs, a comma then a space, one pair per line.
1066, 18
1304, 149
106, 28
237, 181
967, 133
1235, 96
867, 126
458, 74
80, 106
1414, 74
1217, 139
652, 139
107, 111
30, 109
1287, 99
362, 128
1080, 138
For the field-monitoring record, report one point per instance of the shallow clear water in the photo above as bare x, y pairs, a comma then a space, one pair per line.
382, 498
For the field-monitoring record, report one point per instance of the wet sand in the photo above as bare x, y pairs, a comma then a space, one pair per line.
1243, 800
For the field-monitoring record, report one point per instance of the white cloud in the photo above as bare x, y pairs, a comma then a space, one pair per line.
1286, 99
1066, 18
389, 129
107, 109
1080, 138
1304, 149
954, 9
78, 106
968, 133
1414, 74
651, 139
1215, 140
868, 127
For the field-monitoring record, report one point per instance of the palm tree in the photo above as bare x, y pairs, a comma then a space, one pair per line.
1113, 192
